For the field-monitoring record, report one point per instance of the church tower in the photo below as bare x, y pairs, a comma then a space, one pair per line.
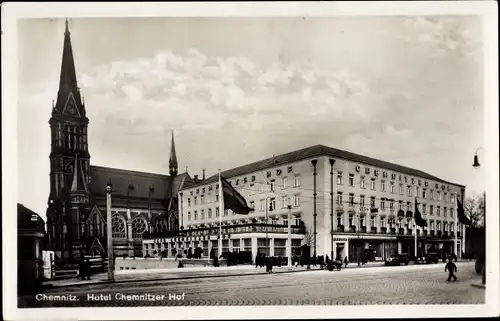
69, 159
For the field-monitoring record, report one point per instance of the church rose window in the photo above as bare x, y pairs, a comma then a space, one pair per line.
139, 225
161, 225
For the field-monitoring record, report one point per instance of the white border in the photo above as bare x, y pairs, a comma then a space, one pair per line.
13, 11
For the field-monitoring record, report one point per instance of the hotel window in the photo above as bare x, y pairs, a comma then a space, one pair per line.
382, 222
226, 212
216, 212
439, 195
350, 220
452, 198
283, 182
431, 209
189, 216
372, 221
262, 205
408, 206
362, 221
252, 204
340, 179
272, 185
195, 215
296, 181
339, 198
372, 202
438, 225
202, 215
272, 204
382, 204
351, 180
423, 208
195, 200
438, 211
210, 211
362, 200
451, 212
382, 185
285, 221
391, 205
401, 189
373, 184
284, 202
351, 199
445, 211
189, 201
362, 182
400, 205
432, 194
392, 187
432, 225
297, 220
262, 188
424, 192
296, 200
409, 190
451, 227
445, 197
339, 219
202, 199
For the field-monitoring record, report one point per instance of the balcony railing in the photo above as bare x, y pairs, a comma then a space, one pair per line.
362, 229
425, 232
409, 231
458, 234
445, 234
401, 231
231, 229
119, 235
383, 230
352, 229
439, 233
340, 228
433, 233
373, 229
393, 230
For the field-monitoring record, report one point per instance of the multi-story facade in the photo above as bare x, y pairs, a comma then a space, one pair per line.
342, 204
76, 215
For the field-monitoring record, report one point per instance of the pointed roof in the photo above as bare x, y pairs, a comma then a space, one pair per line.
79, 183
172, 163
68, 98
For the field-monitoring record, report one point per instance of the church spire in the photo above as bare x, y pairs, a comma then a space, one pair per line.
67, 81
78, 184
172, 163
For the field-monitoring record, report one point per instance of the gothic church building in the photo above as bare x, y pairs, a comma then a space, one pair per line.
76, 215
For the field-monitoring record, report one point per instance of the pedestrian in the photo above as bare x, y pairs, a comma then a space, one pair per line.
269, 266
451, 268
345, 262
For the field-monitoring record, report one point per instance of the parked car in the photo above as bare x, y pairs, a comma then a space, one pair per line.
428, 258
398, 259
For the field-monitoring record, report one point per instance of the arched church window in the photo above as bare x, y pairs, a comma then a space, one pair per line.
161, 225
118, 226
139, 226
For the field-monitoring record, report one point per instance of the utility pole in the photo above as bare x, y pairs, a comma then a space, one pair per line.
289, 241
109, 226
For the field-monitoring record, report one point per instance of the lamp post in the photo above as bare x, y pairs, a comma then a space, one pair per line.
268, 250
289, 241
111, 276
476, 165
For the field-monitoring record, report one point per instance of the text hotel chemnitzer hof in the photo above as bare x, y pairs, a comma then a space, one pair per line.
357, 207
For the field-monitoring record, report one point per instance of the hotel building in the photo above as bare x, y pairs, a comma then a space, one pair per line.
341, 204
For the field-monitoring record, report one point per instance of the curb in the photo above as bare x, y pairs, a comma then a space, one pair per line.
51, 286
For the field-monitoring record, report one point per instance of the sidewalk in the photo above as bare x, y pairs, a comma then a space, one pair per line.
124, 276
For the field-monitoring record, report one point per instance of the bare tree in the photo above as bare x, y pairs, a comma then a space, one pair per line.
309, 238
474, 207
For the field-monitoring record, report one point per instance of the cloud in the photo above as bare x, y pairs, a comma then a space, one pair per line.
196, 89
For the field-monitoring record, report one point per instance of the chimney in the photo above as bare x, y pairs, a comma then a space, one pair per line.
196, 178
203, 178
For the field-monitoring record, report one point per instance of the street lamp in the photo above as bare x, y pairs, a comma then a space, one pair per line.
289, 241
476, 165
268, 250
111, 276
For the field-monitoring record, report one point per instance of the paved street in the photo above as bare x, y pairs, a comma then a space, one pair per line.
378, 285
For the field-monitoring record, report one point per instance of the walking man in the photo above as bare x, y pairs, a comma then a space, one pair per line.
345, 262
451, 268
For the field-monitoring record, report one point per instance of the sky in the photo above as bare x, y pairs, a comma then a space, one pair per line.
404, 89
